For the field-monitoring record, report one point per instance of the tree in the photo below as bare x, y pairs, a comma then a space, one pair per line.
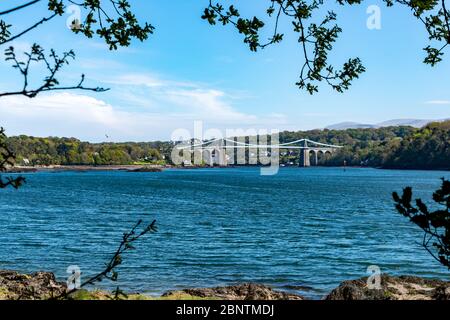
109, 272
435, 224
316, 39
427, 148
7, 159
115, 24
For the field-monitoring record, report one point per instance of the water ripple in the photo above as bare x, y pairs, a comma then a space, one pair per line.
303, 230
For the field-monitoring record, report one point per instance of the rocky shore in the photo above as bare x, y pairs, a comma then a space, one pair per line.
246, 291
146, 169
36, 286
82, 168
393, 288
43, 285
126, 168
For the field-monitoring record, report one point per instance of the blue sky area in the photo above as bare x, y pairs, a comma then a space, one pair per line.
190, 71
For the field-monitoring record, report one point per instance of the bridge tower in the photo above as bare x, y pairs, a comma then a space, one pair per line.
304, 156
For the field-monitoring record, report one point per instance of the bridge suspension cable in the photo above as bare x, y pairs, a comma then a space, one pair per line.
286, 145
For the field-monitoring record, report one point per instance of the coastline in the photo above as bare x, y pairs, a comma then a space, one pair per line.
44, 286
159, 168
81, 168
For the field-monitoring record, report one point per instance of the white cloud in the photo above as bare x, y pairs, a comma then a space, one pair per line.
188, 99
140, 106
19, 47
56, 114
136, 79
88, 118
104, 64
80, 116
438, 102
208, 103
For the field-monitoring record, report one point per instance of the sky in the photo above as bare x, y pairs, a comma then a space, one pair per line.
189, 72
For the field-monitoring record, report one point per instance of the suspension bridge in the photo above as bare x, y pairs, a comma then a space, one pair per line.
224, 151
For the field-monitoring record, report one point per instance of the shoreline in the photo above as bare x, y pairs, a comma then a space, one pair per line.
44, 285
82, 168
159, 168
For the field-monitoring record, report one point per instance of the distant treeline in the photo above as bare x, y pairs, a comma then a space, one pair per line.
71, 151
389, 147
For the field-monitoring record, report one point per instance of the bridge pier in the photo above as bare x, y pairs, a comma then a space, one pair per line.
304, 158
216, 156
211, 158
221, 157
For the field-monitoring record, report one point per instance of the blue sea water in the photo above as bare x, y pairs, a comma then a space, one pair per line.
304, 230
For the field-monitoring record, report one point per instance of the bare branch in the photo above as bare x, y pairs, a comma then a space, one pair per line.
19, 7
126, 244
53, 63
34, 26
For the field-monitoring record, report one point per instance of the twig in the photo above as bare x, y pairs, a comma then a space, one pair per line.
109, 272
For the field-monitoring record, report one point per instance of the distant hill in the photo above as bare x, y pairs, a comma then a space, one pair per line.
349, 125
416, 123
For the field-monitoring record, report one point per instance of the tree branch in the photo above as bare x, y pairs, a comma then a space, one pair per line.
19, 7
50, 82
125, 245
316, 40
7, 158
435, 225
43, 20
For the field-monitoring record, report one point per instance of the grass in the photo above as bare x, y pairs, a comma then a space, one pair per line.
97, 294
102, 295
3, 293
152, 163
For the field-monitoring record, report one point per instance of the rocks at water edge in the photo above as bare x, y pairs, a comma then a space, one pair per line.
146, 169
20, 170
247, 291
36, 286
43, 285
393, 288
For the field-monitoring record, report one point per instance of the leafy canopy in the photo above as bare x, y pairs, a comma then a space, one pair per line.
111, 20
7, 159
316, 40
115, 22
435, 224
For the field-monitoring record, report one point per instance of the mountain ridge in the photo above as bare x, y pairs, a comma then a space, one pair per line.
416, 123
